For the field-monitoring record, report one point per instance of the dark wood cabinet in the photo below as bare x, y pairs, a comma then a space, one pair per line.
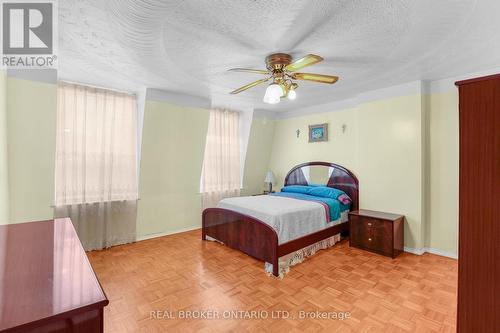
479, 206
46, 281
377, 232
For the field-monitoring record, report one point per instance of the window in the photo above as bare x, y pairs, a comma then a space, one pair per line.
221, 164
96, 145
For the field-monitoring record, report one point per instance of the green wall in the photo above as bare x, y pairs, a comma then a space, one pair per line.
31, 138
381, 144
390, 154
289, 150
404, 151
4, 177
443, 172
172, 158
258, 154
173, 144
172, 154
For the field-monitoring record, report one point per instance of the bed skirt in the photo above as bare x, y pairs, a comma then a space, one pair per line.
299, 256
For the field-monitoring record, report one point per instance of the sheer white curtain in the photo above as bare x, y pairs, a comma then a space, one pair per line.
96, 145
96, 163
221, 164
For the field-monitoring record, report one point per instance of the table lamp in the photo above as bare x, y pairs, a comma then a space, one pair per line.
270, 179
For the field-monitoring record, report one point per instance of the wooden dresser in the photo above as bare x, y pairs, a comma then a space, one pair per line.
46, 281
479, 206
377, 232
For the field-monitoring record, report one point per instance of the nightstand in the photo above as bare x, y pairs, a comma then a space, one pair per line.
378, 232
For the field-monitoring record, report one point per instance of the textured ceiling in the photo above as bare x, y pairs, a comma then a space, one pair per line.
187, 46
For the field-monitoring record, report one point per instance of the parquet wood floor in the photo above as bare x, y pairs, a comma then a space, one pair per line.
180, 272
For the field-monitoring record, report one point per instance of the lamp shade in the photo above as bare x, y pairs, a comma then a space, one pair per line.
270, 177
273, 93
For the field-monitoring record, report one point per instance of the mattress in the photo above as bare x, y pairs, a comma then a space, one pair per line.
291, 218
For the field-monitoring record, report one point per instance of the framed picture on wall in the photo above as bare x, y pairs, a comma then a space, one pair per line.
318, 133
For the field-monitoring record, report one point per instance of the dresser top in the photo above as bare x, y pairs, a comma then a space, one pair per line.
44, 272
376, 215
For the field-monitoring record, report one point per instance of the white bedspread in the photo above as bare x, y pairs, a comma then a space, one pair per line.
291, 218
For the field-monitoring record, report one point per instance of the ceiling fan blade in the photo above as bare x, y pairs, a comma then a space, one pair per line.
315, 77
249, 70
308, 60
248, 86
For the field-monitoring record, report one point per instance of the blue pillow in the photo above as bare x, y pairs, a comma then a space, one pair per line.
296, 189
325, 192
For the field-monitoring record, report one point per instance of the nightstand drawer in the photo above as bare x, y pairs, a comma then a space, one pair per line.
362, 234
371, 234
380, 236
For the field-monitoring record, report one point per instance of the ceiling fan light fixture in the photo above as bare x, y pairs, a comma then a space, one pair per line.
283, 72
272, 101
292, 94
273, 94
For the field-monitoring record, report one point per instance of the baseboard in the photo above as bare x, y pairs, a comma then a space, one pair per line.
438, 252
414, 251
166, 233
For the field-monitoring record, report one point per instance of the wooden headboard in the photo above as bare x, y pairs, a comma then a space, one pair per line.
340, 178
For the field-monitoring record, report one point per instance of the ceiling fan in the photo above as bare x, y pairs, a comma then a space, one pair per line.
283, 73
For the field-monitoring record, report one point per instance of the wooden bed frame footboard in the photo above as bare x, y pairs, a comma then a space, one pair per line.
242, 232
254, 237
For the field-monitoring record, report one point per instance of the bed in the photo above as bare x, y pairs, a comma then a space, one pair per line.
264, 227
